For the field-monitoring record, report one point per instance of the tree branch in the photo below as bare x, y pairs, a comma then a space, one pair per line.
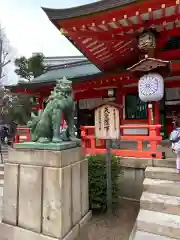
4, 53
3, 75
6, 63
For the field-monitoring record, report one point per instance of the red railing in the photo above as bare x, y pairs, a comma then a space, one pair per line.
92, 145
22, 135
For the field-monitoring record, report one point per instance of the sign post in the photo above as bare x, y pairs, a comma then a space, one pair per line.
107, 126
109, 177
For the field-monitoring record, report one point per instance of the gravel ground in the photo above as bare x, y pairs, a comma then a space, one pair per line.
117, 227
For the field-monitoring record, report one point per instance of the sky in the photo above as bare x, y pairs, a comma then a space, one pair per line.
29, 30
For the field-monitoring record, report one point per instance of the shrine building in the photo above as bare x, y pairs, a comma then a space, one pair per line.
116, 36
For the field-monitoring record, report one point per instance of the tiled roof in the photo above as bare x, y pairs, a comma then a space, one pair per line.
70, 71
76, 72
103, 5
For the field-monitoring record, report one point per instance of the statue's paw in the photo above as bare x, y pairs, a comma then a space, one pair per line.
43, 140
56, 140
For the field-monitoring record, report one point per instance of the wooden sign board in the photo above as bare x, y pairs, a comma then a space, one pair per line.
107, 124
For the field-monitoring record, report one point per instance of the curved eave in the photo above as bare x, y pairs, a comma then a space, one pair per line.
99, 6
37, 84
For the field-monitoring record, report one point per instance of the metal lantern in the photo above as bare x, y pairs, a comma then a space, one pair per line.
146, 41
151, 87
111, 92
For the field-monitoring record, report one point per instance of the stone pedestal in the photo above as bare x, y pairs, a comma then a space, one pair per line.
45, 195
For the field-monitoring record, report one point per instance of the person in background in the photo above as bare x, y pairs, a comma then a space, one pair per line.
13, 127
4, 133
175, 140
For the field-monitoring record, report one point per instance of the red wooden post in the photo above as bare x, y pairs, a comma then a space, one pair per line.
150, 113
152, 134
119, 100
157, 117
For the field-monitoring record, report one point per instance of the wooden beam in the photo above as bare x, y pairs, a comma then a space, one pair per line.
147, 24
117, 13
91, 93
169, 55
112, 35
165, 35
105, 81
163, 14
139, 19
150, 14
86, 51
127, 20
103, 36
177, 6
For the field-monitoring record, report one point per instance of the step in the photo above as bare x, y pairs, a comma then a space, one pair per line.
1, 182
159, 223
1, 167
162, 173
160, 203
1, 174
149, 236
168, 162
164, 187
1, 192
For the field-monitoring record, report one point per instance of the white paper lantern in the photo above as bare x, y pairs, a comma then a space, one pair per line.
151, 87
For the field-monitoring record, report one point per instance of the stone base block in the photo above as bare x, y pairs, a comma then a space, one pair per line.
9, 232
45, 194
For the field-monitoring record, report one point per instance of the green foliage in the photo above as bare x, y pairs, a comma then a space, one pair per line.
15, 107
20, 109
98, 184
22, 67
30, 67
36, 65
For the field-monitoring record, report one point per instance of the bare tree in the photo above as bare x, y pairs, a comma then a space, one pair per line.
12, 107
5, 54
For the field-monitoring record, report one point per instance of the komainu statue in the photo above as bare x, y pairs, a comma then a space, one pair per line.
46, 126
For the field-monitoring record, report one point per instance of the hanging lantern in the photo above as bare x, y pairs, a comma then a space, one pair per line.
146, 41
111, 92
151, 87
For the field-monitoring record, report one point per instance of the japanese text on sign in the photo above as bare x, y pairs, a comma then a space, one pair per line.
107, 125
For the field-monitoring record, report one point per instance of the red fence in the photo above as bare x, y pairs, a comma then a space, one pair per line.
92, 145
22, 135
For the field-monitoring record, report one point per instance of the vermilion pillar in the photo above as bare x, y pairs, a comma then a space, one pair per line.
119, 100
157, 119
150, 117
